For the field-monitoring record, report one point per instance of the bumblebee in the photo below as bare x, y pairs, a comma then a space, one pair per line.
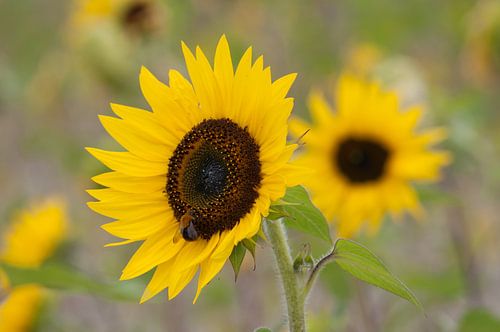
186, 228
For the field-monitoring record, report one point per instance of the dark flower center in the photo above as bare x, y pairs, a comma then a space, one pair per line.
361, 160
213, 178
138, 16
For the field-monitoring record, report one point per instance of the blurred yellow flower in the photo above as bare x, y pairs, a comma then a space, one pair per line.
366, 155
136, 16
18, 311
34, 234
31, 238
201, 169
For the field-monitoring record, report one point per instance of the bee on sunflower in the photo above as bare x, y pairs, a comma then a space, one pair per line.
201, 169
32, 237
366, 155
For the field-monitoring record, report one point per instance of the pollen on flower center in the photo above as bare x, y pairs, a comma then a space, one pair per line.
361, 160
213, 176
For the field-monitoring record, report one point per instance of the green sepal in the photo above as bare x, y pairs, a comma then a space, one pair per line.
236, 258
250, 245
304, 261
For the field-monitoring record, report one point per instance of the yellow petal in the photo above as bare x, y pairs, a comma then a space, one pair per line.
223, 69
180, 281
128, 209
158, 282
203, 79
226, 241
194, 252
320, 110
274, 186
120, 243
141, 119
115, 196
299, 127
282, 85
212, 265
127, 163
136, 141
155, 250
131, 184
272, 165
248, 227
140, 228
295, 174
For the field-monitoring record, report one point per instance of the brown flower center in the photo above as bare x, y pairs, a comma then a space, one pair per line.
213, 178
139, 16
361, 160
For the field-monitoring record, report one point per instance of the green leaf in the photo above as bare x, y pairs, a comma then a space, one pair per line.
56, 276
479, 320
263, 329
250, 245
364, 265
236, 258
300, 213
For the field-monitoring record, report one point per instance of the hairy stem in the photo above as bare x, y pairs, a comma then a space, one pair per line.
315, 272
295, 301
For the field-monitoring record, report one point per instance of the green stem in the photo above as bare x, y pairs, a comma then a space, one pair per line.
295, 301
315, 272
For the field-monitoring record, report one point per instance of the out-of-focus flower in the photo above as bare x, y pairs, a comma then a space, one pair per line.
30, 240
18, 311
34, 234
137, 17
201, 169
103, 35
481, 54
366, 155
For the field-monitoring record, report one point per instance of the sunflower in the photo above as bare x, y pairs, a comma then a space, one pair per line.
135, 16
33, 236
366, 155
201, 169
18, 311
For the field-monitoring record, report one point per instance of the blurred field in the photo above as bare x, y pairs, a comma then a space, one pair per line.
55, 78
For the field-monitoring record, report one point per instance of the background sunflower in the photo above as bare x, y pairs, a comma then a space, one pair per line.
368, 153
32, 237
132, 16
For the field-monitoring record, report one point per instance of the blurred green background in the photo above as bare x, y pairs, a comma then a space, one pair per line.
58, 72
